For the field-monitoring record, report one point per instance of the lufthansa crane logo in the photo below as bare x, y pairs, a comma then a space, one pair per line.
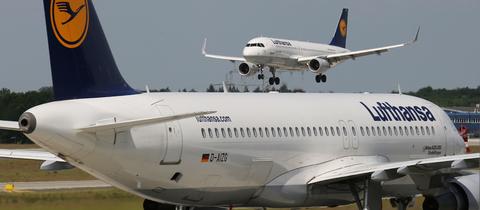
69, 19
343, 28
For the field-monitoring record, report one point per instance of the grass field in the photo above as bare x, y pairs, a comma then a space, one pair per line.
85, 199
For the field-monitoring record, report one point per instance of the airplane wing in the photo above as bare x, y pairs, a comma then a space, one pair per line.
221, 57
29, 154
392, 170
335, 58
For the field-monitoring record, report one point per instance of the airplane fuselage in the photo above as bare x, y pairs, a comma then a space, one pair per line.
248, 153
284, 54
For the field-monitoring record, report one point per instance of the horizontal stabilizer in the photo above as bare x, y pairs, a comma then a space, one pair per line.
29, 154
143, 121
9, 125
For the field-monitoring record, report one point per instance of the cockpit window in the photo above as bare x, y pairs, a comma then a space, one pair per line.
255, 45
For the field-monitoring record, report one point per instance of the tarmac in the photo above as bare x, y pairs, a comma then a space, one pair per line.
53, 185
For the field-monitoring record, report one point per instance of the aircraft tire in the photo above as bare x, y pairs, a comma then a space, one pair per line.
277, 80
318, 78
271, 81
324, 78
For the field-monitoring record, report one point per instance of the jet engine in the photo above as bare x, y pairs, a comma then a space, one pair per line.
462, 194
247, 69
318, 65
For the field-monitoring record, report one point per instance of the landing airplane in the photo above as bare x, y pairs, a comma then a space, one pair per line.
273, 54
220, 150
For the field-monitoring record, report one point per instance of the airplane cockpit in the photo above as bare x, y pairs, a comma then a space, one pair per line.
255, 45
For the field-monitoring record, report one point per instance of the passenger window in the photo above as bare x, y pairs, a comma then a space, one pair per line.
267, 133
401, 130
373, 131
210, 133
260, 132
242, 132
297, 132
411, 131
332, 131
285, 132
235, 131
379, 132
291, 132
249, 134
279, 132
314, 131
362, 131
389, 131
338, 131
395, 131
428, 130
406, 130
417, 130
354, 132
203, 133
254, 132
309, 132
217, 134
367, 129
223, 133
423, 130
303, 131
384, 131
344, 131
433, 130
326, 131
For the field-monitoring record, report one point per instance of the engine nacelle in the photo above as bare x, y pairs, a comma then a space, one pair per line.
463, 194
318, 65
247, 69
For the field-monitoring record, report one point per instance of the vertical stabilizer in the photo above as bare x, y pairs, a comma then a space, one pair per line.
340, 38
81, 61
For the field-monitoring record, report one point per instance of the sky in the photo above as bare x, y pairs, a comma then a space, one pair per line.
158, 43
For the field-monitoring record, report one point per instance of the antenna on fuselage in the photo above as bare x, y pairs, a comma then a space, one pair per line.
147, 89
399, 89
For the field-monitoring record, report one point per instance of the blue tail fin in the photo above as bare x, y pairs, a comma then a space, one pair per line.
340, 38
81, 61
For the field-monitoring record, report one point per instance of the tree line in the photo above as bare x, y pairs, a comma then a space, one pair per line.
13, 104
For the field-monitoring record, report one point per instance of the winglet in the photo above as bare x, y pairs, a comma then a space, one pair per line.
204, 47
416, 36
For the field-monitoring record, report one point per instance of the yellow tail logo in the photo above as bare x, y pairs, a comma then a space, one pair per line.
69, 19
342, 25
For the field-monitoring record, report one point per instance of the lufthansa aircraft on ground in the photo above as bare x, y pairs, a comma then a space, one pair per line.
222, 150
272, 54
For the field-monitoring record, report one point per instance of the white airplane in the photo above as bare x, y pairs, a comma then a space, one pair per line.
273, 54
220, 150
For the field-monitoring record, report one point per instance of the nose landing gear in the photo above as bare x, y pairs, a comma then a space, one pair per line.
321, 78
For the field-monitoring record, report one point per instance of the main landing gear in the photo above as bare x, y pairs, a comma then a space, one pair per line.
272, 80
152, 205
321, 78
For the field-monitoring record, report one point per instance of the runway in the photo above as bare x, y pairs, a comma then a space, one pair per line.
56, 185
474, 142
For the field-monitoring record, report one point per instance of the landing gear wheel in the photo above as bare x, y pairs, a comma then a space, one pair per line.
271, 81
318, 78
150, 205
261, 76
277, 80
324, 78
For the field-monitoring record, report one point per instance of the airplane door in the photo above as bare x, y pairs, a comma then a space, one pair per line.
346, 139
174, 138
353, 135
